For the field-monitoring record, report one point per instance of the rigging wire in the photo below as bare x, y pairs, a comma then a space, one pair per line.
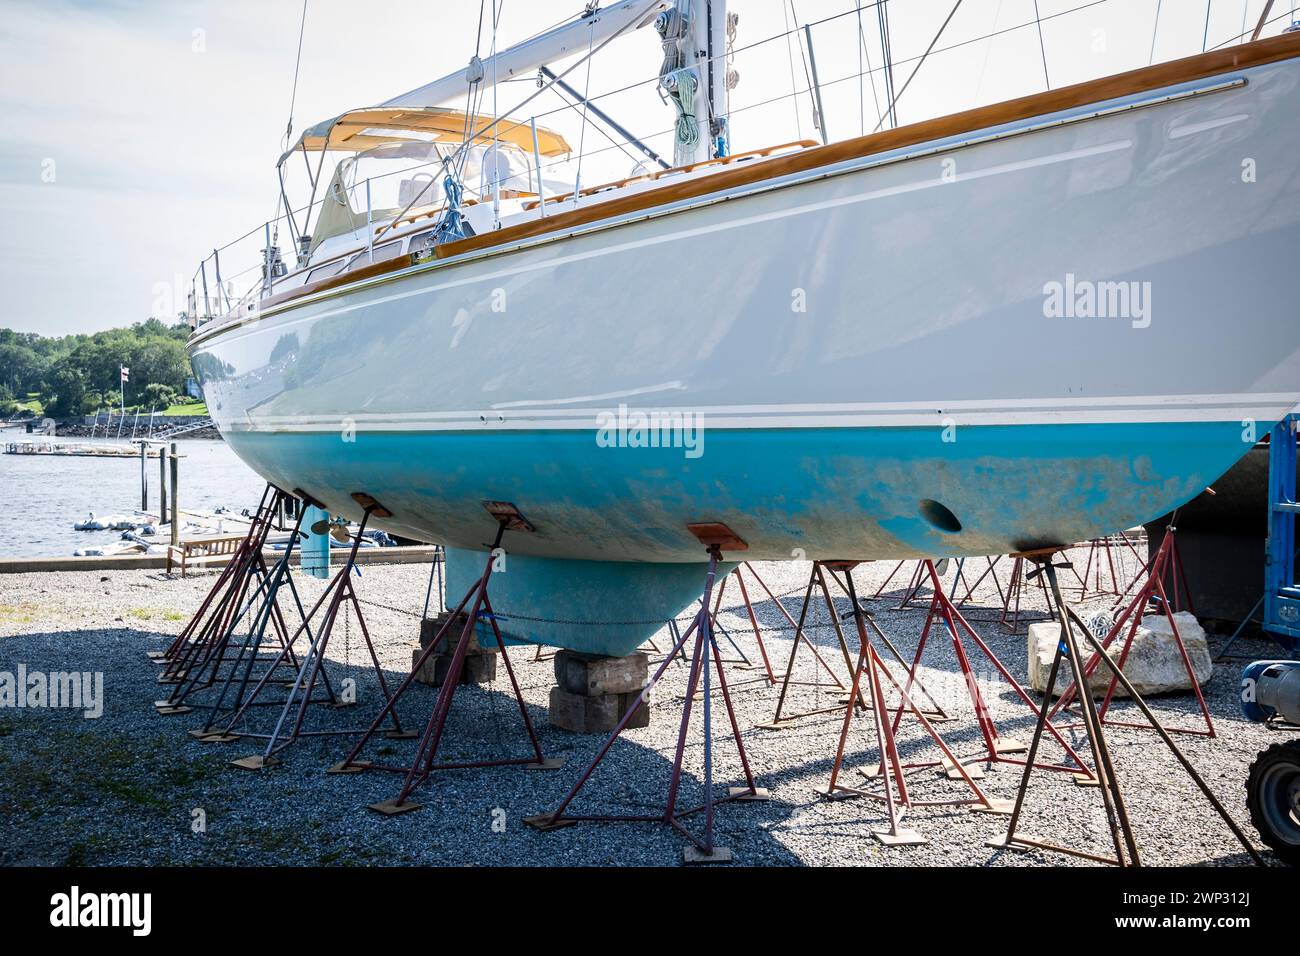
887, 52
818, 119
1155, 31
921, 62
866, 53
988, 50
1038, 19
582, 136
297, 65
789, 49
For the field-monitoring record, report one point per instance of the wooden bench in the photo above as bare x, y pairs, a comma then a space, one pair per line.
200, 551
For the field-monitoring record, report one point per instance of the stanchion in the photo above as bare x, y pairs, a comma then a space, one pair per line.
1124, 842
422, 765
716, 538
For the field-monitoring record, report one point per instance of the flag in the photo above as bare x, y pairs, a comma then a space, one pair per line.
126, 374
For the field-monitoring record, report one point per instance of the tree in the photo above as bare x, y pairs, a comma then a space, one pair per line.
158, 395
69, 388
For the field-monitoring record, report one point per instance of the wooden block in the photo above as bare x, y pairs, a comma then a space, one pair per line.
593, 675
478, 668
430, 627
594, 715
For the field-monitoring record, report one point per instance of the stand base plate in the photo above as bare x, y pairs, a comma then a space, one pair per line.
1002, 843
903, 837
547, 763
357, 766
391, 808
694, 855
255, 762
544, 822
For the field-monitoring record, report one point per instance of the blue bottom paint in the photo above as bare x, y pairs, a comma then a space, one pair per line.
849, 493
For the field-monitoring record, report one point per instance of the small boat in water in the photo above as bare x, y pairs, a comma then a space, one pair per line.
1020, 326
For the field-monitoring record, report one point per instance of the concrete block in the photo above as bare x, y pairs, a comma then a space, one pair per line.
1154, 665
581, 714
593, 675
479, 668
430, 627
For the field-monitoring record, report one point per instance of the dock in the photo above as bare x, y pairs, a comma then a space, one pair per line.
76, 449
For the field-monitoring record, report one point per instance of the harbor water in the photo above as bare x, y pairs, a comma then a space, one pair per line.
43, 496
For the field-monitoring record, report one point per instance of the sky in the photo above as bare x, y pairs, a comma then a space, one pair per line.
142, 135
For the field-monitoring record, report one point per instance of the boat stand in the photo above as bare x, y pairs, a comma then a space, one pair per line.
340, 594
422, 765
1101, 550
769, 677
997, 749
1163, 564
1011, 615
280, 665
220, 586
704, 657
990, 572
891, 769
817, 578
1124, 842
224, 712
198, 664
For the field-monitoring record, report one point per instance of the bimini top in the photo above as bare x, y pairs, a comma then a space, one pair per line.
358, 130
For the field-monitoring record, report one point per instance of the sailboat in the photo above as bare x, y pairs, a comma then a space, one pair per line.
1015, 327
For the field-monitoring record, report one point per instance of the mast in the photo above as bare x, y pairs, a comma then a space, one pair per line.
694, 76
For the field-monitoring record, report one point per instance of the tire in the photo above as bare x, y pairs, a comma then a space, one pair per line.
1273, 799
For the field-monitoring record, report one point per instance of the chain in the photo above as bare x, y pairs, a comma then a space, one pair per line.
571, 622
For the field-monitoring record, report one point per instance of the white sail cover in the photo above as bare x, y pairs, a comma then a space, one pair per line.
523, 59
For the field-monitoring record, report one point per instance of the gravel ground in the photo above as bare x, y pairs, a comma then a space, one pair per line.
131, 787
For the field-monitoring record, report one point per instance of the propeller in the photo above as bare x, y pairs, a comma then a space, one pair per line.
338, 530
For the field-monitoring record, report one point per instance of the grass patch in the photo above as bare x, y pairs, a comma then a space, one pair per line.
149, 613
194, 408
17, 613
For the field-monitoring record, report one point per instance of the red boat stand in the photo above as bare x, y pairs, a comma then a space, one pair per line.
422, 765
199, 653
340, 595
236, 566
768, 677
1123, 841
891, 769
1103, 563
997, 749
1011, 614
704, 654
1164, 563
816, 578
255, 649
